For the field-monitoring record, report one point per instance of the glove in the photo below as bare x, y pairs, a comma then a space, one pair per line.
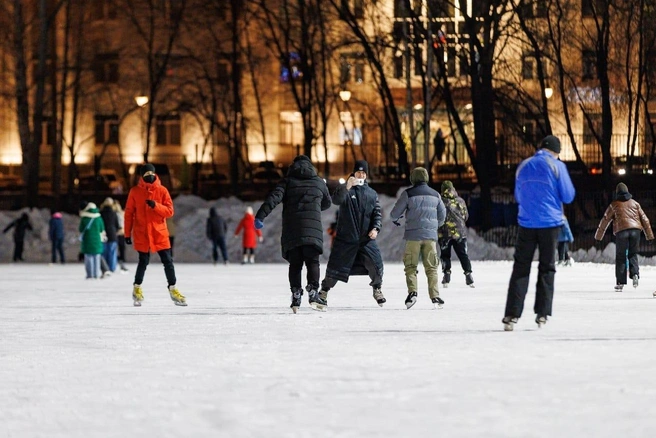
150, 203
128, 241
397, 223
259, 224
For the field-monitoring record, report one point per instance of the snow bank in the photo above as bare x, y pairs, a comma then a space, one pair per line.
192, 246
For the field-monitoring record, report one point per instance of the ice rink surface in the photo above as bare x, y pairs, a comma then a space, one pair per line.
78, 360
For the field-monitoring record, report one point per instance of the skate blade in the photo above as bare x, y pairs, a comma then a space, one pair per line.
472, 286
318, 307
137, 304
178, 303
409, 305
294, 309
508, 327
445, 285
381, 304
438, 306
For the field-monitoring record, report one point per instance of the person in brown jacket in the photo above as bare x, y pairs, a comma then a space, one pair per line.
628, 222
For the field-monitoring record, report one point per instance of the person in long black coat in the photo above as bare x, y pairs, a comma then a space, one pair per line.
56, 235
20, 226
304, 196
216, 230
355, 251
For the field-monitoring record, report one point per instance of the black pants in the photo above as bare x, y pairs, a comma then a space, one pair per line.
219, 243
460, 247
528, 239
171, 241
121, 248
626, 247
167, 261
58, 248
297, 257
376, 279
18, 249
563, 251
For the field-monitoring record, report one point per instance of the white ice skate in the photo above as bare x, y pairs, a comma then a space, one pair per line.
509, 323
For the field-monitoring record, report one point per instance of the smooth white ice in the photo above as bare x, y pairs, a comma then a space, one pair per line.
77, 360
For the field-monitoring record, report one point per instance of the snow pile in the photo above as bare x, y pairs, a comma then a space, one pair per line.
191, 245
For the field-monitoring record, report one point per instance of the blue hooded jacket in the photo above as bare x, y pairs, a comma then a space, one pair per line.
542, 185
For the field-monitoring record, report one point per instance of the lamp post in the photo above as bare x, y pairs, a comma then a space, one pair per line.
141, 102
345, 95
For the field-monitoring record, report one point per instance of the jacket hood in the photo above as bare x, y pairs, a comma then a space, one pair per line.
418, 175
448, 191
302, 168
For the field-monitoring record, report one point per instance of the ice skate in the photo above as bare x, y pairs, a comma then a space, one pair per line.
137, 295
540, 321
438, 302
636, 280
319, 301
619, 287
446, 279
176, 296
378, 296
469, 279
297, 294
509, 323
411, 300
654, 294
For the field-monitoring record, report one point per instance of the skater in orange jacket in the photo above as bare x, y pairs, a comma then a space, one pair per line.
149, 205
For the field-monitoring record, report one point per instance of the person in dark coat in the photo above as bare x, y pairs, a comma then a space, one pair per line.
20, 226
355, 251
56, 235
453, 234
110, 246
216, 230
303, 195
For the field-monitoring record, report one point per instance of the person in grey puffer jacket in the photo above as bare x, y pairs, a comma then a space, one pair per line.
424, 213
453, 234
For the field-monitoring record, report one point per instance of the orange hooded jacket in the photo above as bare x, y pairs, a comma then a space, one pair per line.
147, 226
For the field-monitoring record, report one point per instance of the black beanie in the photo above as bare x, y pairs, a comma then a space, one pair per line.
621, 189
361, 166
550, 142
147, 168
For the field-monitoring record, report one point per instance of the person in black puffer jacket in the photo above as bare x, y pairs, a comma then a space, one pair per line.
355, 251
304, 195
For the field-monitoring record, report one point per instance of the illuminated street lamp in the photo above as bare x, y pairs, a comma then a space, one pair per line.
345, 95
141, 100
548, 92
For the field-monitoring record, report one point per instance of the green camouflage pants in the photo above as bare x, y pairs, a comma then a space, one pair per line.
428, 251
